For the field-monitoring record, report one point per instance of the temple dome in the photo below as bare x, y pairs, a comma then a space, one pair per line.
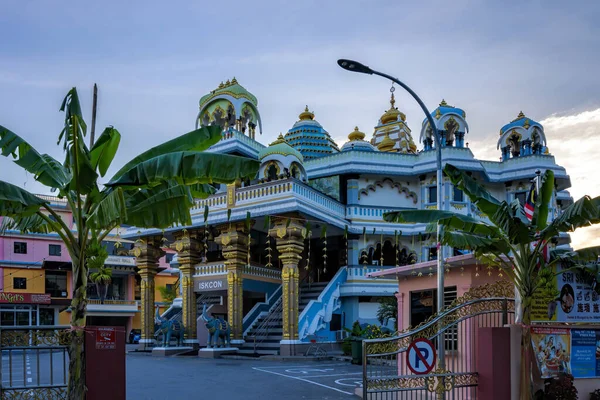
230, 105
386, 144
280, 147
450, 121
522, 137
522, 122
356, 142
309, 137
392, 114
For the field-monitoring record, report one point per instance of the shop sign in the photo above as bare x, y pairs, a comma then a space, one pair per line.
106, 338
24, 298
120, 260
212, 285
573, 300
564, 350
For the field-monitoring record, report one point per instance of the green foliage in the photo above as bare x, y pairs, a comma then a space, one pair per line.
388, 309
169, 293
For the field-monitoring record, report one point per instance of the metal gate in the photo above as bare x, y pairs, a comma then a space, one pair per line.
34, 362
385, 371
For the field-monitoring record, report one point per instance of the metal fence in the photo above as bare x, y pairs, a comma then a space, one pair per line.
35, 362
386, 374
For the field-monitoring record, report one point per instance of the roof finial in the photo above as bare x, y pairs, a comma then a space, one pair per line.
443, 103
306, 114
392, 100
356, 135
521, 115
234, 81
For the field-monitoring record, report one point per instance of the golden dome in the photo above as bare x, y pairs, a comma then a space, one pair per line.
392, 114
356, 135
306, 115
386, 144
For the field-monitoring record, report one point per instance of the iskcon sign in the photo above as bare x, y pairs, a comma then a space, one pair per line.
212, 285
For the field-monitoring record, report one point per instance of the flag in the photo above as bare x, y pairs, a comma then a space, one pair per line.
529, 206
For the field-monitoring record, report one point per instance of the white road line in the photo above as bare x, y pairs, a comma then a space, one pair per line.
323, 376
305, 366
303, 379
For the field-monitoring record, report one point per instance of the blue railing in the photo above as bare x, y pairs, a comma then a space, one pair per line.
317, 313
259, 308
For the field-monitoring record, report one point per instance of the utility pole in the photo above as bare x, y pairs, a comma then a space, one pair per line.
94, 106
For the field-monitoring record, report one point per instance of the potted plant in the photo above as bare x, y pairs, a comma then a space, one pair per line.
353, 344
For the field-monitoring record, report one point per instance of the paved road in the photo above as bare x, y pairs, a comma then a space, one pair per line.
30, 368
154, 378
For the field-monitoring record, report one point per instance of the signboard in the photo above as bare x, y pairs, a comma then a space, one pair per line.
212, 285
573, 300
120, 260
106, 338
421, 356
24, 298
564, 350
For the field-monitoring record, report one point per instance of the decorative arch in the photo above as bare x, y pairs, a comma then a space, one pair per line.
401, 189
451, 128
272, 170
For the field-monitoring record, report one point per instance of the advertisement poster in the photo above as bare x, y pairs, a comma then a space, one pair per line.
574, 300
585, 356
552, 349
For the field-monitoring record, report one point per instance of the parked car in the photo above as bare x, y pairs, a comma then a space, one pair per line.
135, 335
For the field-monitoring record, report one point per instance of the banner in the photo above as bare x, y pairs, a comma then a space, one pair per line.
552, 349
573, 300
24, 298
564, 350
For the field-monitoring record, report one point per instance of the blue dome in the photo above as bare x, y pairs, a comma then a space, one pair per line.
521, 121
309, 138
444, 109
358, 145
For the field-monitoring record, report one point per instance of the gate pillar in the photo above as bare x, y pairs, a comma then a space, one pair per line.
188, 247
234, 243
290, 236
147, 251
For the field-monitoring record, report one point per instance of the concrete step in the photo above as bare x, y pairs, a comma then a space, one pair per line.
261, 352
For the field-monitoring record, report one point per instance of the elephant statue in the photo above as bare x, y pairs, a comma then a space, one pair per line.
218, 328
169, 328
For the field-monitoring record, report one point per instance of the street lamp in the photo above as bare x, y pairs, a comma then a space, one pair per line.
355, 66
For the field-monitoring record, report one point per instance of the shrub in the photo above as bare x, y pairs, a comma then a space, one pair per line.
560, 388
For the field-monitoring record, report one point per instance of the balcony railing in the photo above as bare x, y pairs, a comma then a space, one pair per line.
219, 268
113, 302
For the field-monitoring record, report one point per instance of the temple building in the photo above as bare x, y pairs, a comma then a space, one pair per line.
285, 257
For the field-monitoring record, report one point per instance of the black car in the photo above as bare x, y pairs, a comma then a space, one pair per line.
135, 335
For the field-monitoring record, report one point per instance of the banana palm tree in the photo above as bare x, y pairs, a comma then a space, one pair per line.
156, 189
506, 238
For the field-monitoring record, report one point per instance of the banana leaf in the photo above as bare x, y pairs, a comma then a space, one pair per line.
482, 244
31, 224
104, 150
110, 209
44, 168
445, 218
187, 168
17, 202
197, 140
542, 203
478, 194
583, 212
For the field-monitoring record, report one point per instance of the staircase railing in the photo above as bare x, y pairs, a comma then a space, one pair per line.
314, 313
262, 331
259, 309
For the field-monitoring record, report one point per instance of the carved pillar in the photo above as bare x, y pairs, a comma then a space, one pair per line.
147, 252
290, 244
188, 247
234, 242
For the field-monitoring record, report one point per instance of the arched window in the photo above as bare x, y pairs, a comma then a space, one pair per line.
451, 127
272, 172
205, 119
295, 171
219, 117
515, 145
389, 253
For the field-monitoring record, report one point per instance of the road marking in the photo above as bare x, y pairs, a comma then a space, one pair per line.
307, 366
354, 384
306, 371
303, 380
325, 376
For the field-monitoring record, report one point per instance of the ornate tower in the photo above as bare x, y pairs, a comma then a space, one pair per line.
450, 122
309, 138
392, 134
522, 137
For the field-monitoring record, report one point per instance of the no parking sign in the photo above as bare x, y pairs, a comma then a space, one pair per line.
421, 356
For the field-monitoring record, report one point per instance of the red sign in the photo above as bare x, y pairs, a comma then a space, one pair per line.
106, 338
421, 356
24, 298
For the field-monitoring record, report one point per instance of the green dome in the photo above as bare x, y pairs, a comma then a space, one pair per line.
281, 147
233, 89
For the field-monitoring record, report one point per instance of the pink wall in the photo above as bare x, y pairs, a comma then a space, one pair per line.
37, 249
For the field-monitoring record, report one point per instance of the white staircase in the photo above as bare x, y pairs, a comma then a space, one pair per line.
267, 331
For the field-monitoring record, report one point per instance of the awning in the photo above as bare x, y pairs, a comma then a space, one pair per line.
462, 260
57, 265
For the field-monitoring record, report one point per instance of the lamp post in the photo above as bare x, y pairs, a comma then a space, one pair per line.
354, 66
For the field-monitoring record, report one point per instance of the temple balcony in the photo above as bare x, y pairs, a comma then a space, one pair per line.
218, 269
119, 308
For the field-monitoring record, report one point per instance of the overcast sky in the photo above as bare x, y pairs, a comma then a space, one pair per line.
154, 60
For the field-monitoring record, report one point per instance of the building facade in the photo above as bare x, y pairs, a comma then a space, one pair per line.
287, 254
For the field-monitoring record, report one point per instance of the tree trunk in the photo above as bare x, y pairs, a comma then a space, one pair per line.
526, 379
76, 388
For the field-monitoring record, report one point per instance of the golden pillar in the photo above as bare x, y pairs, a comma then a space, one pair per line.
147, 251
290, 236
234, 243
188, 247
